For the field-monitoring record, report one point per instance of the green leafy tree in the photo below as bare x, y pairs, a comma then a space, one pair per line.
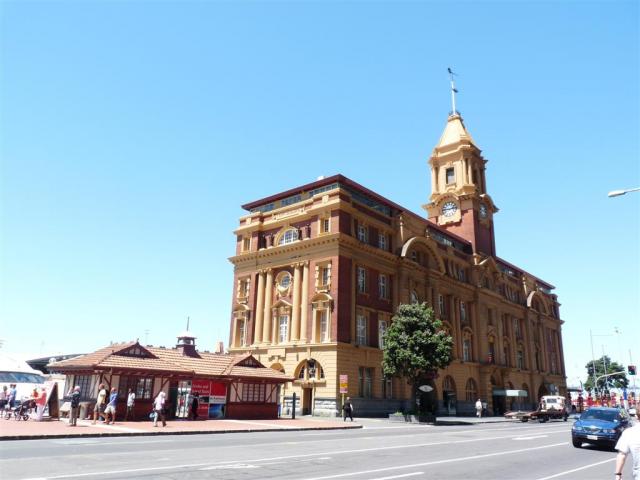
415, 345
614, 381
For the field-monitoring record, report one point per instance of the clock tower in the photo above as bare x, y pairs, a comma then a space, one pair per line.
459, 201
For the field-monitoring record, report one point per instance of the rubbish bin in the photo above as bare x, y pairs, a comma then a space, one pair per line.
85, 409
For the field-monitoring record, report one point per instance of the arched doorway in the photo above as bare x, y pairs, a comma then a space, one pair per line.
449, 397
542, 391
308, 373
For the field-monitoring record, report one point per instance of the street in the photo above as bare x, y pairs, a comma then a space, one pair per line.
381, 450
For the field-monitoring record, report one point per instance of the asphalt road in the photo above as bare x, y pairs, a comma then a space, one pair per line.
380, 451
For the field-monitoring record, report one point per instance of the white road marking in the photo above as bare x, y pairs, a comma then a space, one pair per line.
283, 427
530, 438
578, 469
230, 467
437, 462
288, 457
399, 476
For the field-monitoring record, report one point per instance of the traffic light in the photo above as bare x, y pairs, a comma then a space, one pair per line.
631, 369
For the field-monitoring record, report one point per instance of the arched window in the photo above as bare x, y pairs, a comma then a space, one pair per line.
289, 236
448, 385
414, 297
471, 390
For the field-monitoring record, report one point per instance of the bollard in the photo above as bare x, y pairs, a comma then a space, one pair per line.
293, 407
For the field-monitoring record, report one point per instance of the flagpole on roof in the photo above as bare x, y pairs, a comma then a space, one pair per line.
453, 92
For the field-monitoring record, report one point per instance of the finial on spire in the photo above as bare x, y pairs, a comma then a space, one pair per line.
453, 92
188, 318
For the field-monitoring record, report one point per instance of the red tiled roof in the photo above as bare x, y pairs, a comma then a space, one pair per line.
170, 360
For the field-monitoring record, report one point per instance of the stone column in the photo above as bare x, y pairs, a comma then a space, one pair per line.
305, 303
295, 314
257, 331
266, 331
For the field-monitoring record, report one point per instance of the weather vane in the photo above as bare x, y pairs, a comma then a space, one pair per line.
453, 91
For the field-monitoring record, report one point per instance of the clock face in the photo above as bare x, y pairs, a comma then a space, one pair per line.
449, 209
483, 211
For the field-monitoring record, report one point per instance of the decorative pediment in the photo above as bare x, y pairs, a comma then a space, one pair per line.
248, 361
435, 260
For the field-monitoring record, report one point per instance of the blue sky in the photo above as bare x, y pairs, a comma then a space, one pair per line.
131, 133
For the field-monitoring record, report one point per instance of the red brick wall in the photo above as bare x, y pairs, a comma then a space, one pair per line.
251, 411
343, 299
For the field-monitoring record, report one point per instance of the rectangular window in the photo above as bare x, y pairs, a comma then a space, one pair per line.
243, 288
141, 386
463, 312
324, 276
441, 306
84, 382
325, 225
516, 328
387, 388
284, 328
520, 360
451, 176
246, 244
382, 329
242, 333
466, 350
382, 241
365, 382
363, 233
383, 291
362, 280
324, 326
361, 330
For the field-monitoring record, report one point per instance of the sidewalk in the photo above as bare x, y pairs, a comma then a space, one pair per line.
32, 430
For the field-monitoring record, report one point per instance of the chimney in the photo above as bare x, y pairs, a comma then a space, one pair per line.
220, 347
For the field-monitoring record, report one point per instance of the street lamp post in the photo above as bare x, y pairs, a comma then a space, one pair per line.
617, 193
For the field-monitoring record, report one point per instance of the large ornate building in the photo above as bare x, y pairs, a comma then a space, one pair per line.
321, 268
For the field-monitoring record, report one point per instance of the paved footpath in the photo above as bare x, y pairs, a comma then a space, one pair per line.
30, 429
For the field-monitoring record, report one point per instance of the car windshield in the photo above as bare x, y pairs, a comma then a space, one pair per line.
599, 415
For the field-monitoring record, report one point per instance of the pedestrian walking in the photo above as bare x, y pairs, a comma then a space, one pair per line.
41, 403
347, 410
11, 399
4, 393
158, 409
110, 410
195, 402
131, 402
629, 443
479, 408
101, 402
75, 405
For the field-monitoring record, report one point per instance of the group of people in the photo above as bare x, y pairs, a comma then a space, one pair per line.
37, 400
8, 396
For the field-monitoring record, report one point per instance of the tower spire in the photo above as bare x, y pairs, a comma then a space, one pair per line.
453, 91
188, 318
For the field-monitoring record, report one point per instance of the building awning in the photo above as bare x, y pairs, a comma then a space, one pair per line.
498, 392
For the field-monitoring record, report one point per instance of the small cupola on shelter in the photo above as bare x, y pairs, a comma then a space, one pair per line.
187, 343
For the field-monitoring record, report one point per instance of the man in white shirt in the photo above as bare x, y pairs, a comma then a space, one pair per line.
131, 400
629, 442
101, 403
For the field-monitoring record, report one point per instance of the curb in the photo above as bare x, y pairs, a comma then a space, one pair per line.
164, 433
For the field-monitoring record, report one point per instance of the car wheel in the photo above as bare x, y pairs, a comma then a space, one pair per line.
576, 443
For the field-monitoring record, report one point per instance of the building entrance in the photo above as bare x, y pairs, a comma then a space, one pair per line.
306, 401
